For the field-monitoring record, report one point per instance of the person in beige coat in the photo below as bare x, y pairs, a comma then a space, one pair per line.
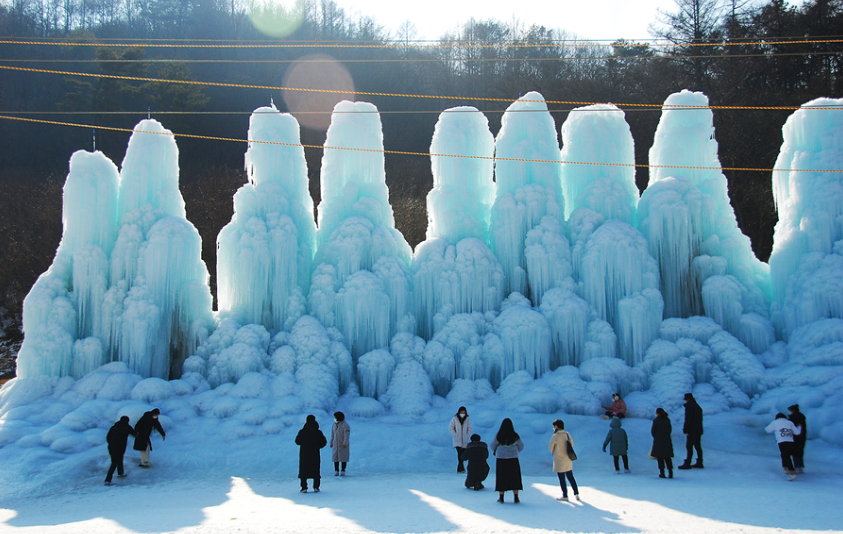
340, 437
563, 466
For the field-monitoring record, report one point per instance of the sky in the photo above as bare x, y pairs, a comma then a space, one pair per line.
592, 19
626, 19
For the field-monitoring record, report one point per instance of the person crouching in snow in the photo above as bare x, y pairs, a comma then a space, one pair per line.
310, 439
144, 427
784, 430
619, 444
475, 454
117, 438
617, 409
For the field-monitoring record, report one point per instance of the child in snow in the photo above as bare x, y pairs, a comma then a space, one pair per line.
310, 439
617, 409
475, 454
619, 444
784, 430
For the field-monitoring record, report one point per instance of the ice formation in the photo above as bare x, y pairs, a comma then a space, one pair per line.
128, 283
454, 270
543, 285
265, 252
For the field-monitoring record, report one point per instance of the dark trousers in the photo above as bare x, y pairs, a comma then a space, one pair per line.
625, 462
786, 451
665, 462
116, 463
570, 475
613, 414
693, 441
798, 452
316, 482
337, 466
460, 466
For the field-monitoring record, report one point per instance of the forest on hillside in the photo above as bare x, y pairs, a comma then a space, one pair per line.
110, 63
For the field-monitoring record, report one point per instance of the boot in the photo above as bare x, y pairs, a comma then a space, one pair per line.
686, 465
699, 464
670, 473
500, 497
661, 473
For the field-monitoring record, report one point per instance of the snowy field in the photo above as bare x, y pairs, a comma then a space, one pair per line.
401, 479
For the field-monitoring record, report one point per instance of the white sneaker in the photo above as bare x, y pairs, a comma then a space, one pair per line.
799, 470
342, 473
791, 478
627, 471
617, 472
577, 497
336, 473
565, 499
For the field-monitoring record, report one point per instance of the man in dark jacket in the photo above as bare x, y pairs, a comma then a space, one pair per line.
475, 453
117, 438
693, 429
144, 427
310, 439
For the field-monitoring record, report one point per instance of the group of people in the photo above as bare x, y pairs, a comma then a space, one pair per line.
118, 437
506, 446
790, 434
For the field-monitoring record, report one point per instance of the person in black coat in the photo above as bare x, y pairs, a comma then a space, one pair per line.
144, 427
117, 438
693, 430
310, 439
475, 454
798, 418
662, 442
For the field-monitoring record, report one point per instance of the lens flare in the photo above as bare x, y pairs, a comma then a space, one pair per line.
316, 71
277, 18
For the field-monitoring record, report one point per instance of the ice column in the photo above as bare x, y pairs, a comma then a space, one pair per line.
66, 301
455, 267
617, 273
527, 191
158, 308
805, 265
361, 279
685, 213
265, 252
599, 134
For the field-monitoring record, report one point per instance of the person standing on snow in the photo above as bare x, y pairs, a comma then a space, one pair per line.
617, 409
798, 419
117, 438
505, 446
662, 442
340, 435
475, 454
144, 427
619, 444
563, 464
693, 430
784, 430
460, 428
310, 440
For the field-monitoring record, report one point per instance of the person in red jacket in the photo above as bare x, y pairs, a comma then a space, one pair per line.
617, 409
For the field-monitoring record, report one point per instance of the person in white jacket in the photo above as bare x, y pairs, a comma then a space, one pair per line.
784, 430
460, 428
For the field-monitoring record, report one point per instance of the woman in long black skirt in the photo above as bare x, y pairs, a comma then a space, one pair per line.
505, 446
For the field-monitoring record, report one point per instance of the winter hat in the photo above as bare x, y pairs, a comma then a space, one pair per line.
475, 437
311, 418
689, 396
155, 411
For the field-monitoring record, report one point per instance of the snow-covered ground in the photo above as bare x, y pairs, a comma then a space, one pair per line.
402, 479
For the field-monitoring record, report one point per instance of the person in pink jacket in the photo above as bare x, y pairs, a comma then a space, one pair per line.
617, 409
